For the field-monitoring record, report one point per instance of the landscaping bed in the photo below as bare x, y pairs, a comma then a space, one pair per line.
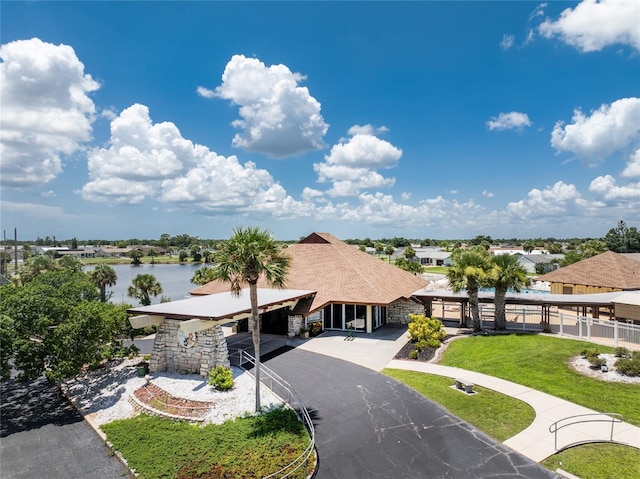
157, 399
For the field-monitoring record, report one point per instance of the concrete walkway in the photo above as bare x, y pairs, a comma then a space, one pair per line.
376, 351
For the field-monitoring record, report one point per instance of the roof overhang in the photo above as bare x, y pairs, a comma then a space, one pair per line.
595, 299
213, 309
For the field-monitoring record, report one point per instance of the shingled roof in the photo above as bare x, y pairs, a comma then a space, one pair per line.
340, 273
607, 270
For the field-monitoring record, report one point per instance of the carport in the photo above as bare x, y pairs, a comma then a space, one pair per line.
189, 338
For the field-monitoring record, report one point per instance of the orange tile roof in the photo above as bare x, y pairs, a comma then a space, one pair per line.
339, 273
608, 270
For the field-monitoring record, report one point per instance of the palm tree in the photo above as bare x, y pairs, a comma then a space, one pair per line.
379, 247
506, 273
470, 271
143, 287
203, 275
103, 275
409, 252
389, 250
152, 252
249, 254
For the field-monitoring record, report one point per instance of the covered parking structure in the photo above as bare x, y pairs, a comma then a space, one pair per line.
596, 304
190, 339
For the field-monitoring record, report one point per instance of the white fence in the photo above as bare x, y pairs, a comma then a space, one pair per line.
530, 318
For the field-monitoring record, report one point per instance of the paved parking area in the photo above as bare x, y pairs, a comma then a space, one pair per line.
42, 436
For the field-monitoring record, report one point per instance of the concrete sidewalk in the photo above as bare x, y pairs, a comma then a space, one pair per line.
376, 351
537, 442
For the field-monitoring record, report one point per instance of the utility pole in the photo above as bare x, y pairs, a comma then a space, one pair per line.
15, 247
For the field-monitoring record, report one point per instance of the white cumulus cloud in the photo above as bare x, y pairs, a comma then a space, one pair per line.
278, 117
558, 199
632, 169
593, 25
351, 164
146, 160
609, 129
46, 110
606, 187
509, 121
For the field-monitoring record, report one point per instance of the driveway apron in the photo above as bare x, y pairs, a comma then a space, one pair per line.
371, 426
42, 436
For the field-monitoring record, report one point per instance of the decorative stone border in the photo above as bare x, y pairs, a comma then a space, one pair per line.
141, 406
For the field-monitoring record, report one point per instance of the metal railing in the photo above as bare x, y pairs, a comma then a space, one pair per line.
283, 389
530, 318
609, 417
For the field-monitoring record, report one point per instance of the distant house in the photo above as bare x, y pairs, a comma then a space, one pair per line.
111, 252
52, 250
539, 263
494, 250
433, 257
606, 272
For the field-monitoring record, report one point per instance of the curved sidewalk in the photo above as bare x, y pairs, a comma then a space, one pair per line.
536, 442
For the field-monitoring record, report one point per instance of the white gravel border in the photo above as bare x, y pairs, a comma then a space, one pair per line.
583, 366
103, 395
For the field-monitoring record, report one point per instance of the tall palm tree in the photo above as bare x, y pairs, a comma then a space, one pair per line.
143, 287
470, 271
103, 275
249, 254
389, 250
506, 273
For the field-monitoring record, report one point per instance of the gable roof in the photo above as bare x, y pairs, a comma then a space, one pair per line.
609, 270
339, 273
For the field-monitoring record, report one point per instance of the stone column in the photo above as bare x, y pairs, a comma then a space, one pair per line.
158, 360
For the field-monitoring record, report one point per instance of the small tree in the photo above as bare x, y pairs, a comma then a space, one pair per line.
379, 247
136, 255
152, 253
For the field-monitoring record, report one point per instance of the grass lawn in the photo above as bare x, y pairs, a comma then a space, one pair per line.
436, 269
540, 362
247, 447
497, 415
597, 461
127, 260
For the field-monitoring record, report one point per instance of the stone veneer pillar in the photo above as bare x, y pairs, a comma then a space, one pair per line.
398, 311
209, 350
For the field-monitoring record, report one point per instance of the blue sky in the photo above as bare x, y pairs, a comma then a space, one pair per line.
364, 119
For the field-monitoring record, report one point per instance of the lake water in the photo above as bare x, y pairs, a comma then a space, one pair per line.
175, 280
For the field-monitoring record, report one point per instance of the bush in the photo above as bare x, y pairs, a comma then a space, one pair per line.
426, 332
597, 362
221, 378
590, 353
629, 366
315, 328
622, 352
413, 354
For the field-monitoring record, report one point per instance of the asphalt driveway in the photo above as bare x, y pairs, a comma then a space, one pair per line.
371, 426
42, 436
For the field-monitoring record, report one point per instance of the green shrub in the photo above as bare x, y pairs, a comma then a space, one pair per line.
629, 366
413, 354
315, 328
597, 362
426, 332
622, 352
590, 353
221, 378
